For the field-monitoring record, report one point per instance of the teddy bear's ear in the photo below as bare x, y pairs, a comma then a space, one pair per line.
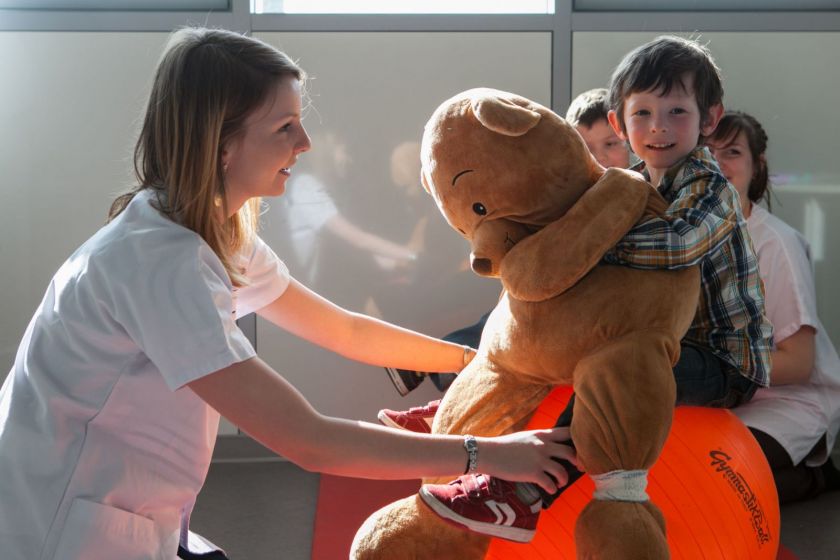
502, 115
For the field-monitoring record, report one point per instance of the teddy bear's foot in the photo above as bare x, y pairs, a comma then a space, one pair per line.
408, 530
610, 530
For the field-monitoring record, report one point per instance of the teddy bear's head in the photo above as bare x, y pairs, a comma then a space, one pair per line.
500, 167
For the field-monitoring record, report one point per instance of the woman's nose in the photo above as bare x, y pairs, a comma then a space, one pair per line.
304, 143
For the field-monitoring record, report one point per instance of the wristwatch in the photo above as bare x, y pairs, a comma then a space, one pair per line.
471, 447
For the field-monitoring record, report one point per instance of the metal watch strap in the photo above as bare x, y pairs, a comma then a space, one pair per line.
472, 454
465, 358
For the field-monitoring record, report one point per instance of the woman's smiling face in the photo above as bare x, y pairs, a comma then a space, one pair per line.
259, 161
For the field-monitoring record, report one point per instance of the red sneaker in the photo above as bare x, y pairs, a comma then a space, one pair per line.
415, 419
484, 504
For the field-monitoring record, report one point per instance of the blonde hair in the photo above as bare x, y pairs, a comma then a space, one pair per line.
207, 83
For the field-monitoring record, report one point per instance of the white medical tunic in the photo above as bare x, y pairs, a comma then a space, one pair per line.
102, 448
796, 415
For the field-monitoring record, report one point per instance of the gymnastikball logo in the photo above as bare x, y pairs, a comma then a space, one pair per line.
748, 499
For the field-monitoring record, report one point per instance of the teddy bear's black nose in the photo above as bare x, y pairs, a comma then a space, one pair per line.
482, 266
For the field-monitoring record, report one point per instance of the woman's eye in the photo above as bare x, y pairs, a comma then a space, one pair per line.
285, 128
479, 209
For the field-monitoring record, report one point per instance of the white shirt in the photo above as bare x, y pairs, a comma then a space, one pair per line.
102, 448
795, 415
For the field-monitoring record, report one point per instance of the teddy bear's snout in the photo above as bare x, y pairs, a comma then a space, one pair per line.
482, 266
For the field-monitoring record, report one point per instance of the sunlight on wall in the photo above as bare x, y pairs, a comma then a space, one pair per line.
403, 7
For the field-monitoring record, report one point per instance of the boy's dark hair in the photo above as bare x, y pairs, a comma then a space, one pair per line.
730, 126
661, 65
589, 107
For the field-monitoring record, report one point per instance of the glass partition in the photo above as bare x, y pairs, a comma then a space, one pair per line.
355, 224
704, 6
403, 7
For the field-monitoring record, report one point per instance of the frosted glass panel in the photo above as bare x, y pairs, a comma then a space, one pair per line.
355, 224
67, 125
789, 81
117, 5
705, 5
403, 6
70, 110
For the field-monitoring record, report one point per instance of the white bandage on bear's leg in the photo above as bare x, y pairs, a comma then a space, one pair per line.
621, 486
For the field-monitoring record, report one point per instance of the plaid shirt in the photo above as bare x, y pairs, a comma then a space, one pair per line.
704, 225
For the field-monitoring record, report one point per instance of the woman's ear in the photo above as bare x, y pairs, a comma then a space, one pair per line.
712, 119
612, 117
225, 156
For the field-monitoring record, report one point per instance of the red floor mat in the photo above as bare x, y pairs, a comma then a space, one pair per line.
343, 504
786, 554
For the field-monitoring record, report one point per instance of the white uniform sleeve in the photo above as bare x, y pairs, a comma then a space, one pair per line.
268, 278
788, 285
182, 316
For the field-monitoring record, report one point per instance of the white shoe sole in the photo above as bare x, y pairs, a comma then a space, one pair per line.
491, 529
396, 379
385, 420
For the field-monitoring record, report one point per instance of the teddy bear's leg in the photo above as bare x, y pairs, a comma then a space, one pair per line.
485, 402
622, 415
481, 402
408, 530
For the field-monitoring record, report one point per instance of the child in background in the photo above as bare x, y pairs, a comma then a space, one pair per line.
109, 416
665, 97
796, 419
588, 114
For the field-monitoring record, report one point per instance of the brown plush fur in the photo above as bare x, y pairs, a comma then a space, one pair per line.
518, 182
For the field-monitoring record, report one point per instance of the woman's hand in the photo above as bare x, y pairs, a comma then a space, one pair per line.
528, 457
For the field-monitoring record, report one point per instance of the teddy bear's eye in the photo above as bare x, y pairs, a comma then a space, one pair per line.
479, 209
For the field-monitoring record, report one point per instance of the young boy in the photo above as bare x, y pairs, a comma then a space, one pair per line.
665, 97
588, 114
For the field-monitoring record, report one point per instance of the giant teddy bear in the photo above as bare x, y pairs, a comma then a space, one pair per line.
519, 184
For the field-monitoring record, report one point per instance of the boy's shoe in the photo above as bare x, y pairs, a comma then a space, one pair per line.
484, 504
415, 419
405, 380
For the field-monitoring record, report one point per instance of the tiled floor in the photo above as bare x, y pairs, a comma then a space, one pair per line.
265, 511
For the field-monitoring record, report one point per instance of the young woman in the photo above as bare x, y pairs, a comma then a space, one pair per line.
109, 415
796, 419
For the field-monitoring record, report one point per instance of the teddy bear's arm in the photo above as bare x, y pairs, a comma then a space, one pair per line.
552, 260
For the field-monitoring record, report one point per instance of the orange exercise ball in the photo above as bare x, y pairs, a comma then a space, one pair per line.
712, 482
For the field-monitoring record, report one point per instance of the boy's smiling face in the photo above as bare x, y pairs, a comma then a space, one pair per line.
664, 128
